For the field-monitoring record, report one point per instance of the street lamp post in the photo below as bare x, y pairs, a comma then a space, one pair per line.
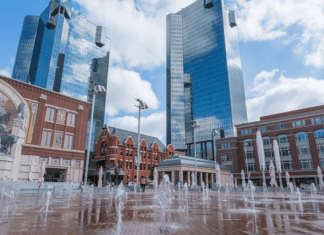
141, 105
247, 167
195, 125
215, 133
98, 89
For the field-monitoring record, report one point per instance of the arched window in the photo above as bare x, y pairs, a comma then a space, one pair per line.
248, 142
283, 139
319, 134
301, 136
103, 149
267, 141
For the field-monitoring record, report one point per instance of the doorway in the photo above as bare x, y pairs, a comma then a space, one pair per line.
55, 175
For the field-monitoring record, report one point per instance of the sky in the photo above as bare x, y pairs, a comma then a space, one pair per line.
281, 46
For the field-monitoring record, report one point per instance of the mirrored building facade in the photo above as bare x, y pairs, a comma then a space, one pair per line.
204, 76
61, 50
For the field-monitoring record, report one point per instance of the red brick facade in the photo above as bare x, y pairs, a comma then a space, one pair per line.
44, 99
304, 152
123, 152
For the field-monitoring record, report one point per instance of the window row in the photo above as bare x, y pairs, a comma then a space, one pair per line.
62, 116
226, 145
48, 141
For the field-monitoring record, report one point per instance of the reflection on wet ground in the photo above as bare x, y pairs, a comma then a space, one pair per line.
142, 215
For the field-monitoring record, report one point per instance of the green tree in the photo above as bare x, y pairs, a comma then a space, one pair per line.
92, 163
151, 177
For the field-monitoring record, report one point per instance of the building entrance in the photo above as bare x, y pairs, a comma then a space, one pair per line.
55, 175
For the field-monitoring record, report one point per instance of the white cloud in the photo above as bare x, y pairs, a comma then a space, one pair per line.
124, 87
260, 20
6, 72
262, 81
153, 125
286, 95
137, 30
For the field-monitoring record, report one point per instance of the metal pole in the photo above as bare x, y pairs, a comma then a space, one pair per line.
195, 156
139, 141
214, 143
89, 139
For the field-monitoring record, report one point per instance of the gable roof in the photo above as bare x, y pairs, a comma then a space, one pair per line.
123, 135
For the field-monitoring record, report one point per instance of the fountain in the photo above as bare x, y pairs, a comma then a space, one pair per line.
47, 199
292, 192
226, 191
165, 193
119, 204
70, 192
90, 191
313, 190
193, 183
9, 199
185, 189
298, 194
265, 189
60, 191
3, 185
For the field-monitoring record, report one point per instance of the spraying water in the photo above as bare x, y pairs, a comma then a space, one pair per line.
3, 185
119, 204
265, 189
313, 190
165, 193
185, 189
47, 199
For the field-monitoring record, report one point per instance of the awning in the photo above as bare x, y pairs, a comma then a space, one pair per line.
122, 173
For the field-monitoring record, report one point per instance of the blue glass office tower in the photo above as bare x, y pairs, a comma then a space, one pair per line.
204, 76
61, 51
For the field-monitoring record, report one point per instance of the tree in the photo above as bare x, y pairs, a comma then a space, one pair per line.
91, 162
151, 177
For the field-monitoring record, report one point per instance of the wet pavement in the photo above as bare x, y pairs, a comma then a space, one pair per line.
142, 214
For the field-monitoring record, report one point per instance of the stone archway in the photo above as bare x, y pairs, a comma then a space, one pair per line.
14, 115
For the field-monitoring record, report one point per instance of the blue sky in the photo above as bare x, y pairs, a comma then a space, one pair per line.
281, 44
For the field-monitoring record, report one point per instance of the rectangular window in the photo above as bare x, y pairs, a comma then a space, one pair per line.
268, 153
306, 164
68, 143
298, 124
293, 124
276, 127
121, 152
141, 166
47, 138
322, 162
303, 150
264, 129
246, 132
223, 146
131, 146
130, 165
242, 132
144, 167
144, 155
127, 165
149, 156
285, 152
148, 167
128, 146
250, 154
71, 119
287, 165
249, 143
320, 148
127, 153
304, 123
229, 145
226, 157
318, 120
50, 114
250, 167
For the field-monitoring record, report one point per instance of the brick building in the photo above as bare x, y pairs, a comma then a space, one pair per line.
300, 136
40, 125
116, 146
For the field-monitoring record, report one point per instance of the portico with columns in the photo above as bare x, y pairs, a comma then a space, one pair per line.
180, 168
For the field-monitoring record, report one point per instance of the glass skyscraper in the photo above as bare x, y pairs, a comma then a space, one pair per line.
61, 50
204, 76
